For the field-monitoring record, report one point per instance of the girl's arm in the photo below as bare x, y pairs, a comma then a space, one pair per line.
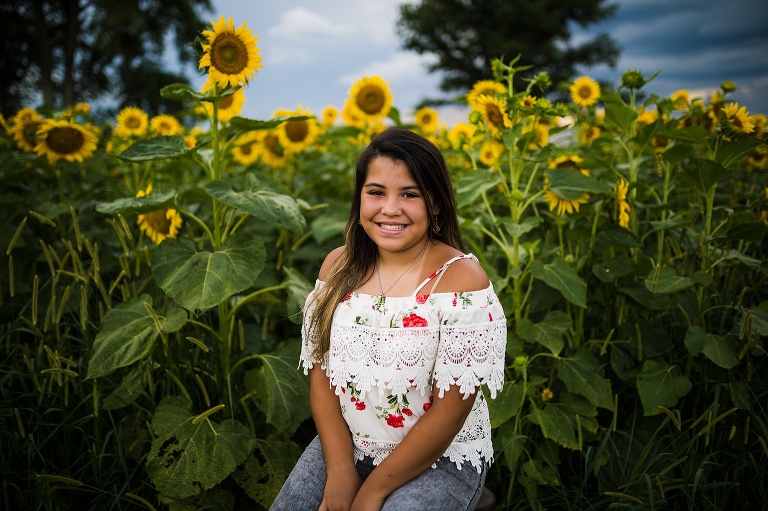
343, 480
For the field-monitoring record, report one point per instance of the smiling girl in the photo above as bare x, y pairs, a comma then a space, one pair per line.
400, 333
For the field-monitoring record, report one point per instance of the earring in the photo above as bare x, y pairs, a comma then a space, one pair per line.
436, 227
360, 223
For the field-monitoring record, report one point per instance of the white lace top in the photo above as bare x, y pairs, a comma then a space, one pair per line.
388, 354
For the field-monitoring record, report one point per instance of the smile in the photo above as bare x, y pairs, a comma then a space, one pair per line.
391, 227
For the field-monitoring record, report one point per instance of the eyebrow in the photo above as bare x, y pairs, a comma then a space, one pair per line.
377, 185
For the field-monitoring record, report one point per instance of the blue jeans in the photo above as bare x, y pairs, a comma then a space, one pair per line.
444, 488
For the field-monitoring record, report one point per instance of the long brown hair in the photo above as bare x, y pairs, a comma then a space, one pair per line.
350, 270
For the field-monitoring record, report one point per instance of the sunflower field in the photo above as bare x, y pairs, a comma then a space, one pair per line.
153, 272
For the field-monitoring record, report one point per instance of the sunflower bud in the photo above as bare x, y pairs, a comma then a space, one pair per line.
632, 79
728, 86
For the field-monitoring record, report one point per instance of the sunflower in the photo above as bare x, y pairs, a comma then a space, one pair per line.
82, 108
563, 205
547, 395
426, 119
585, 91
160, 224
647, 117
758, 158
229, 106
494, 112
660, 143
330, 114
484, 88
680, 99
23, 127
527, 102
165, 125
350, 116
65, 140
371, 99
231, 55
462, 134
589, 133
270, 150
297, 136
622, 205
490, 150
540, 134
131, 121
245, 150
738, 118
759, 121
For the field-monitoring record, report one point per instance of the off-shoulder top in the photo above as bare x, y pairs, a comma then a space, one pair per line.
389, 354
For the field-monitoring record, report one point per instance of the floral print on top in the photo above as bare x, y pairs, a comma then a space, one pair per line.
389, 354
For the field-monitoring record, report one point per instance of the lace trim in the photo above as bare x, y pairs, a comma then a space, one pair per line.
471, 445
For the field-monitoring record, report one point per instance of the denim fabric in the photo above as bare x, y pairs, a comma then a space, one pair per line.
444, 488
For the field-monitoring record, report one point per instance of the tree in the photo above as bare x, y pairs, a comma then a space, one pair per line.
66, 51
465, 35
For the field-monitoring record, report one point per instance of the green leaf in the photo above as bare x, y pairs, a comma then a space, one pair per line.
200, 280
187, 458
754, 232
558, 420
545, 475
617, 114
241, 124
506, 404
261, 477
581, 375
181, 92
647, 299
695, 134
720, 350
517, 230
570, 184
660, 386
471, 185
136, 205
611, 269
275, 208
733, 152
156, 148
127, 335
281, 391
328, 226
563, 277
667, 282
616, 235
701, 174
127, 391
548, 332
298, 288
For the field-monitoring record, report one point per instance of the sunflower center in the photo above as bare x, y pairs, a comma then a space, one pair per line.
229, 55
585, 92
133, 123
65, 140
246, 149
495, 116
158, 221
426, 118
272, 144
370, 99
29, 132
226, 102
297, 131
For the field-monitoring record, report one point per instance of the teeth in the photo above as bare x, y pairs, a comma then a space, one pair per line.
391, 227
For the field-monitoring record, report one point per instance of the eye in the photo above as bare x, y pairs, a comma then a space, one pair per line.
411, 195
375, 192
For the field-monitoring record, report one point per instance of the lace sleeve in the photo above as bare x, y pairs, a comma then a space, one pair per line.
473, 339
306, 358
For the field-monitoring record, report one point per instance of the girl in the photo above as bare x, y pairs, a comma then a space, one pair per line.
399, 334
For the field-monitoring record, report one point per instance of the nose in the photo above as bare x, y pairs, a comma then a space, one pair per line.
391, 205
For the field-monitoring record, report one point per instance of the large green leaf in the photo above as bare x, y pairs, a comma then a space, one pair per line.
548, 332
558, 420
262, 476
128, 333
563, 277
701, 174
617, 114
647, 299
281, 392
471, 185
720, 350
136, 205
506, 404
570, 184
275, 208
190, 455
660, 386
242, 124
156, 148
733, 152
298, 288
581, 375
518, 229
668, 281
611, 269
200, 280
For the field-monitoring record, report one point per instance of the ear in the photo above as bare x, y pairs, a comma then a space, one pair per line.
434, 206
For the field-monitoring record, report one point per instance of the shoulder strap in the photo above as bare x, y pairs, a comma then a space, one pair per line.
440, 272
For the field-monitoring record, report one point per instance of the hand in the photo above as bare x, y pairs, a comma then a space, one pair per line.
367, 501
340, 489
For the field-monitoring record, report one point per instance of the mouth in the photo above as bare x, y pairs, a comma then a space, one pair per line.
391, 227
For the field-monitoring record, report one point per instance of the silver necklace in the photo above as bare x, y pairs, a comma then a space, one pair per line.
383, 292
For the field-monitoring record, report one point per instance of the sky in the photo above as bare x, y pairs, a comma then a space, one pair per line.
313, 51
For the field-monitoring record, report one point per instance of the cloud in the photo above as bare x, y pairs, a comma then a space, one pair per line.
300, 26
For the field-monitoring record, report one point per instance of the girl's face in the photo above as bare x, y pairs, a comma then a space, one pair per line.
393, 210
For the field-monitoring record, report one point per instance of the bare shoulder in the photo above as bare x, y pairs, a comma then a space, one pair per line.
331, 258
463, 275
